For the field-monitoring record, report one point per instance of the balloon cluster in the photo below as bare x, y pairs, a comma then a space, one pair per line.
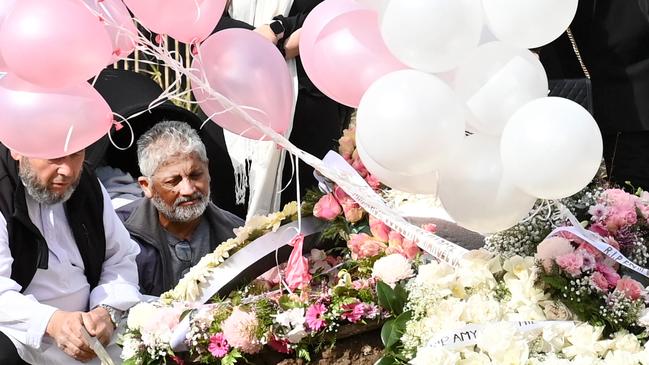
49, 49
424, 72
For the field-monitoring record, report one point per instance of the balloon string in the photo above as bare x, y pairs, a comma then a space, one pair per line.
125, 121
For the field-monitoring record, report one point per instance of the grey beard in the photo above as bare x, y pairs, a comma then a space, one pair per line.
39, 192
181, 214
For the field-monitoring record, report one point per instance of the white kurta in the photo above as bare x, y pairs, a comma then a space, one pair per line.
267, 161
24, 317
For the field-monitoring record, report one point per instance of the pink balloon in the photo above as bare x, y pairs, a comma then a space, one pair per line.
54, 43
118, 24
318, 18
5, 6
247, 69
184, 20
348, 56
46, 123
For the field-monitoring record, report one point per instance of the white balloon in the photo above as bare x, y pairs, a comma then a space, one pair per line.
425, 183
474, 191
551, 148
432, 35
529, 23
409, 121
496, 80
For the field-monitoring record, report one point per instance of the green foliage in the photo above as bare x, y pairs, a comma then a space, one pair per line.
303, 353
391, 299
264, 310
310, 198
286, 303
231, 357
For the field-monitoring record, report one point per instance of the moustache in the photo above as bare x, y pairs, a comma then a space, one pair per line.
184, 199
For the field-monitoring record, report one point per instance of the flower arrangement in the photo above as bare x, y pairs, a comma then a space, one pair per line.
355, 283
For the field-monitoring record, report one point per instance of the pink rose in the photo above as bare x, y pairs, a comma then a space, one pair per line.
362, 245
631, 288
571, 263
327, 208
599, 281
358, 165
372, 181
379, 230
551, 248
405, 247
340, 194
410, 249
353, 212
430, 227
609, 273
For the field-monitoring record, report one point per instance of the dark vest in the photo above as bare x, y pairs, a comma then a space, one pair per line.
84, 211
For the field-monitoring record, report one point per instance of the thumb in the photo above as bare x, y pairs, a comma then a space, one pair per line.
89, 324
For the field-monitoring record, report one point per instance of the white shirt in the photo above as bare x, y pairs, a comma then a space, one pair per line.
24, 317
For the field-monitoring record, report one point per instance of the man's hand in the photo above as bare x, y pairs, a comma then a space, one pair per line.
65, 329
98, 324
268, 33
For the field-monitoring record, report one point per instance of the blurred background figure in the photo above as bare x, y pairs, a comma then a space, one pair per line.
613, 38
318, 121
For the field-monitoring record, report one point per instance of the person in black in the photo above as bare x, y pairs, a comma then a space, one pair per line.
613, 39
318, 121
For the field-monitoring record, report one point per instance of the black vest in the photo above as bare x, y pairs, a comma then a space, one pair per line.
84, 211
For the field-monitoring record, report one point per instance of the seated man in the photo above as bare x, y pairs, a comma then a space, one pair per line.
175, 223
66, 261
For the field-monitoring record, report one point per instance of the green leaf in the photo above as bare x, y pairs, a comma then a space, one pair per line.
286, 303
231, 358
184, 314
402, 296
391, 335
304, 354
131, 361
386, 331
388, 298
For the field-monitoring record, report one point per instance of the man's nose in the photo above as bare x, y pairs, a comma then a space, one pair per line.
65, 169
187, 187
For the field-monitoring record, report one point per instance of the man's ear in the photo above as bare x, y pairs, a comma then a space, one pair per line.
145, 184
15, 155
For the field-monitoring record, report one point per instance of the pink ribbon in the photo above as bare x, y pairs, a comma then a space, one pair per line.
297, 267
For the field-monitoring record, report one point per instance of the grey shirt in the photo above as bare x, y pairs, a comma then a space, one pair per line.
184, 254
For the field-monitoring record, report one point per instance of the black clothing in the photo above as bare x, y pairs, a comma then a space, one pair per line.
613, 38
8, 353
84, 211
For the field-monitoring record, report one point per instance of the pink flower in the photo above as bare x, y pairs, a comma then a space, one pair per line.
372, 311
599, 229
379, 230
279, 345
598, 211
327, 208
353, 312
609, 273
340, 194
430, 227
551, 248
362, 245
621, 209
599, 281
240, 331
315, 317
177, 360
358, 165
372, 181
218, 346
353, 212
405, 247
571, 263
588, 260
631, 288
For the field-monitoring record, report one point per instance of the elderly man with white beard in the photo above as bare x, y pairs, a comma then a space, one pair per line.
175, 224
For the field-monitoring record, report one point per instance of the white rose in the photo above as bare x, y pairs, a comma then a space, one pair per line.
291, 318
437, 275
392, 268
474, 358
140, 315
556, 311
480, 308
585, 341
435, 355
624, 341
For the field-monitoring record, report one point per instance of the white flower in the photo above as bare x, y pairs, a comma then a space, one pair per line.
503, 343
392, 268
291, 318
554, 336
435, 355
644, 318
480, 308
140, 315
619, 358
474, 358
131, 347
556, 311
318, 255
521, 267
624, 341
585, 341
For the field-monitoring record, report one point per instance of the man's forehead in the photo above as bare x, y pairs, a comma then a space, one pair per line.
180, 163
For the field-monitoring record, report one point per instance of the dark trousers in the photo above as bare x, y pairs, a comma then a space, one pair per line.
627, 159
8, 353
